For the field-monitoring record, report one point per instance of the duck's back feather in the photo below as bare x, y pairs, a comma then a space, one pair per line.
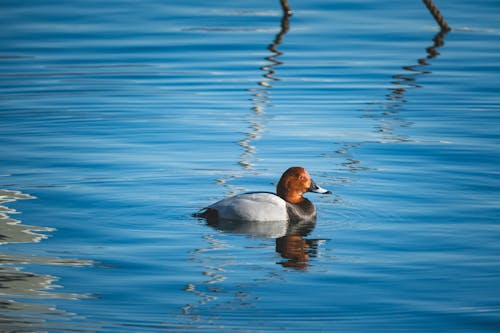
254, 206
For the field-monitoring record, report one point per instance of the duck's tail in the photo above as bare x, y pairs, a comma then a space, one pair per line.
201, 214
206, 213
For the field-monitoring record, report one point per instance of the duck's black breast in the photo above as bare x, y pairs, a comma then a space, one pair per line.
301, 211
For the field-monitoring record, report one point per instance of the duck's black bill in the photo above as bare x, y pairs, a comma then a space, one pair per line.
317, 189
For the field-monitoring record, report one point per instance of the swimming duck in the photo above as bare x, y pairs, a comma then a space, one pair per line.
287, 204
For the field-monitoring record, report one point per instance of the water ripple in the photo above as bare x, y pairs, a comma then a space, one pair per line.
17, 284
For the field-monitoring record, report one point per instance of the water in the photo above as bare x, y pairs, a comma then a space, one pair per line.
119, 120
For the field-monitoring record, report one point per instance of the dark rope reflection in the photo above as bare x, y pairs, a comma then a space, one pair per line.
210, 289
261, 94
395, 100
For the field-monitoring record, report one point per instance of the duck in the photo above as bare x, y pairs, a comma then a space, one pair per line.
287, 204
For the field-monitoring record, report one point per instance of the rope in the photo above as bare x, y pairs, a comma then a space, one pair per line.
286, 7
437, 15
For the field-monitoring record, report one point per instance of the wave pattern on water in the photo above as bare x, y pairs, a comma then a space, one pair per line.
123, 119
21, 316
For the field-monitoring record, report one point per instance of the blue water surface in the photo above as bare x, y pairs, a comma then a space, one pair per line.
120, 119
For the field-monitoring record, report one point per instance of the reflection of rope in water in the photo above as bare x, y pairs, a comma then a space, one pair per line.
260, 95
395, 100
260, 101
403, 82
210, 289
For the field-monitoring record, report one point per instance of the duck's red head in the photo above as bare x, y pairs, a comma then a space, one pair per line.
294, 182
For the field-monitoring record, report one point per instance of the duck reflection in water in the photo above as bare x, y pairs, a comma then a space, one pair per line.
295, 248
291, 243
